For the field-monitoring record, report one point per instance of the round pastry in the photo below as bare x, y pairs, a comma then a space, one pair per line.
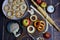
44, 4
6, 8
23, 7
10, 1
14, 3
33, 18
18, 1
15, 7
26, 22
37, 23
30, 29
19, 14
10, 14
41, 27
42, 23
50, 9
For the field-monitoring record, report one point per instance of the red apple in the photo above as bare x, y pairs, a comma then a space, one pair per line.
47, 35
38, 1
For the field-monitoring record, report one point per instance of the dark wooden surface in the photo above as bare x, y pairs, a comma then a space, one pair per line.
55, 16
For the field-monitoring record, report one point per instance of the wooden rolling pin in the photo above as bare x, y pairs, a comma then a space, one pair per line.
46, 16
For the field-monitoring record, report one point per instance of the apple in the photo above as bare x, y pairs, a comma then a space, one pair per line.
47, 35
44, 4
26, 22
38, 1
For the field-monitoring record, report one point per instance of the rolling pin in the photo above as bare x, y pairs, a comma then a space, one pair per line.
46, 16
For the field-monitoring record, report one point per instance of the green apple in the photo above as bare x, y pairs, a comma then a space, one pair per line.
26, 22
